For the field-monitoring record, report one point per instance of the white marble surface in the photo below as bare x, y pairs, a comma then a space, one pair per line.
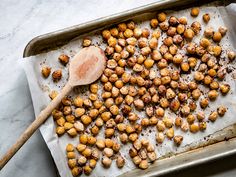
20, 21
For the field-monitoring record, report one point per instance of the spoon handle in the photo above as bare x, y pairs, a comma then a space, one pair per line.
42, 117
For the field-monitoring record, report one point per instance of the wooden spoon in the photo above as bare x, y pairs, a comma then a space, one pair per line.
86, 67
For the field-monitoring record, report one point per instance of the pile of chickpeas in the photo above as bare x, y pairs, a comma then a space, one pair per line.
142, 76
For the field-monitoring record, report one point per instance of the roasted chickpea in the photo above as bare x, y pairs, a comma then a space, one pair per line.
231, 55
161, 17
189, 34
196, 27
206, 18
57, 75
217, 37
195, 11
194, 127
209, 32
198, 76
171, 31
177, 59
46, 71
204, 102
178, 139
213, 94
137, 33
224, 88
205, 42
128, 33
154, 23
164, 26
184, 66
221, 110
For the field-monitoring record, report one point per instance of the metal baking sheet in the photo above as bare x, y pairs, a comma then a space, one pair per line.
214, 147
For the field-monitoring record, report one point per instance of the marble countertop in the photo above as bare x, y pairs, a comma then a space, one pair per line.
20, 22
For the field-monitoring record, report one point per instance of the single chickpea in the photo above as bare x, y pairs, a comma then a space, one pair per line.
160, 126
143, 165
196, 27
222, 30
160, 137
161, 17
217, 36
195, 11
72, 163
156, 34
224, 88
171, 31
170, 133
137, 33
46, 70
175, 105
205, 42
189, 34
154, 23
123, 138
213, 116
231, 55
194, 127
198, 76
76, 171
185, 110
209, 32
120, 161
164, 26
213, 94
86, 120
185, 126
206, 18
221, 110
184, 66
106, 162
204, 103
57, 75
183, 20
128, 33
153, 43
60, 130
190, 118
178, 139
177, 59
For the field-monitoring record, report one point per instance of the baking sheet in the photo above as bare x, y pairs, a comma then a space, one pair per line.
40, 89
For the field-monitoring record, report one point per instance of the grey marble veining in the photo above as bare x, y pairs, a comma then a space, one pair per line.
20, 21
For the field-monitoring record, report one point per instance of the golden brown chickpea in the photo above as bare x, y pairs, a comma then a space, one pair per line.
86, 42
154, 23
177, 59
178, 139
145, 51
196, 27
217, 36
160, 112
185, 110
175, 105
231, 55
131, 25
177, 39
178, 121
164, 26
163, 49
137, 33
202, 125
184, 66
206, 18
46, 71
194, 127
171, 31
224, 88
214, 85
213, 94
190, 118
106, 34
189, 34
61, 121
145, 33
128, 33
109, 50
195, 11
168, 41
221, 73
173, 21
76, 171
174, 84
112, 41
57, 75
173, 49
213, 116
183, 20
156, 34
60, 130
170, 133
204, 103
222, 30
161, 17
200, 51
198, 76
209, 32
122, 27
211, 72
72, 163
221, 110
207, 80
106, 162
153, 43
205, 42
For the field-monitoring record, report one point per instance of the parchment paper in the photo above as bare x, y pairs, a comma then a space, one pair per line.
40, 88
